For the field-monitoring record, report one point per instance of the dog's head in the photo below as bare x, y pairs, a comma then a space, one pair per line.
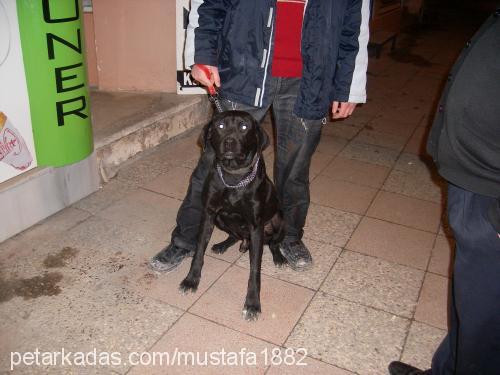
236, 138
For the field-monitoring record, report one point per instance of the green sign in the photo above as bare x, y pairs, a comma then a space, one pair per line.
52, 41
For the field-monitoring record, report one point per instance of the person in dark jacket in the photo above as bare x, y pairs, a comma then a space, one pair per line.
298, 57
465, 145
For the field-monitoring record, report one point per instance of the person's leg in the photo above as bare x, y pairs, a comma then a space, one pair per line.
297, 140
473, 340
183, 240
184, 236
473, 343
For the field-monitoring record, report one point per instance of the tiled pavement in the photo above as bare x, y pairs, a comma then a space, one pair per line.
377, 292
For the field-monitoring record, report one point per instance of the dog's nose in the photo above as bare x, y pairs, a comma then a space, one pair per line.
229, 143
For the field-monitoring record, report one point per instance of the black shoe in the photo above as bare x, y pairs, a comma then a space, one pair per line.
169, 258
296, 254
400, 368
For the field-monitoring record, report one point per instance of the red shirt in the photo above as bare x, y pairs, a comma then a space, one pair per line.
287, 59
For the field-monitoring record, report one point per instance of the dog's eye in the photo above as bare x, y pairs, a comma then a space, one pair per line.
243, 126
221, 125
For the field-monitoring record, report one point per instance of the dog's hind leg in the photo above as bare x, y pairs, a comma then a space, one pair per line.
221, 247
192, 280
244, 245
274, 230
278, 259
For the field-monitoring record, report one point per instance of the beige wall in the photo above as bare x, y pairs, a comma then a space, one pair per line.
135, 44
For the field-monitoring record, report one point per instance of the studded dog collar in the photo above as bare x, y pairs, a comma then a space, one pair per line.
245, 181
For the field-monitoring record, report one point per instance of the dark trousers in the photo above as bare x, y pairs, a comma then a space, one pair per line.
296, 141
472, 346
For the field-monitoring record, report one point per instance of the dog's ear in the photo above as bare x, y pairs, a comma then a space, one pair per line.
263, 138
206, 133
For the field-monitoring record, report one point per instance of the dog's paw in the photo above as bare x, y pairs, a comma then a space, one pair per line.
188, 285
279, 260
251, 312
280, 263
219, 248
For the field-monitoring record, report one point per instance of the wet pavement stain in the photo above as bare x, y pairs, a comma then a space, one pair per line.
59, 259
34, 287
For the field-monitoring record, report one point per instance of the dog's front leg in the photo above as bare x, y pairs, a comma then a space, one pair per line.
192, 280
251, 309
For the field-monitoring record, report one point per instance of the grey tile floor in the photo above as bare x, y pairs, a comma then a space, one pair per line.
377, 292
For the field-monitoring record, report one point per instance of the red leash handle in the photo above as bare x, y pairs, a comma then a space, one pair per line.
204, 68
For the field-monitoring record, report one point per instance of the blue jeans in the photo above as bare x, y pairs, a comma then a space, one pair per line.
472, 346
296, 141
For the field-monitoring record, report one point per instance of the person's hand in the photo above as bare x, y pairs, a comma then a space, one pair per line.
342, 109
200, 75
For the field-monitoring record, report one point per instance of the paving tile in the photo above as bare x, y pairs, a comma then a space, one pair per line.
101, 316
372, 137
370, 154
319, 162
424, 86
330, 225
400, 209
416, 186
375, 282
94, 235
23, 244
331, 145
110, 193
356, 172
385, 123
442, 256
406, 110
311, 367
55, 225
416, 165
197, 346
148, 167
353, 337
282, 305
340, 129
418, 141
432, 307
99, 250
342, 195
173, 184
392, 242
422, 342
324, 255
165, 286
182, 151
406, 106
144, 212
363, 113
401, 119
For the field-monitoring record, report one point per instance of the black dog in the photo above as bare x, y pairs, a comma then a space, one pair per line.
238, 198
